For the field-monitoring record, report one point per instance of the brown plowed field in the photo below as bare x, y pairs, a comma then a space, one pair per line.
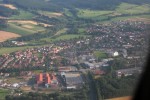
7, 35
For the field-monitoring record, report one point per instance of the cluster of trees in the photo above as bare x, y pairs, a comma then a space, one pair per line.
52, 21
3, 23
53, 96
7, 12
109, 87
58, 5
7, 44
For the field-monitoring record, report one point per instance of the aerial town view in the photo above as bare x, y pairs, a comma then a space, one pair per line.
72, 49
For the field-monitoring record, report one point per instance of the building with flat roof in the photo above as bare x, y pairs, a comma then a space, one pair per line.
73, 80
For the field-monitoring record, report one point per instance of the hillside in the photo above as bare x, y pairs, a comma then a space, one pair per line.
48, 17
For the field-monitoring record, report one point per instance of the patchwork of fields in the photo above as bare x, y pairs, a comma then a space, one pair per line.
25, 27
130, 10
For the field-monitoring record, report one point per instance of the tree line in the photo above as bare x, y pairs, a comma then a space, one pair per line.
7, 12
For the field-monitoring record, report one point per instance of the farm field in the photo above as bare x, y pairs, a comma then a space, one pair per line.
62, 37
123, 8
92, 13
13, 49
67, 37
8, 6
50, 14
7, 35
25, 27
126, 8
23, 15
3, 93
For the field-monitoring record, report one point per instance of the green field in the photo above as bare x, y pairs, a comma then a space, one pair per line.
19, 30
13, 49
123, 8
84, 13
23, 15
126, 8
99, 54
23, 29
62, 37
3, 93
67, 37
50, 14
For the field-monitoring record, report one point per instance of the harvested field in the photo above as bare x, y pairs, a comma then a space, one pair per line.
7, 35
50, 14
122, 98
29, 22
8, 6
24, 21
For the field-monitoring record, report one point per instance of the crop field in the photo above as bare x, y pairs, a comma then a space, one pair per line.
7, 35
126, 8
50, 14
13, 49
123, 8
25, 27
92, 13
63, 37
23, 15
3, 93
8, 6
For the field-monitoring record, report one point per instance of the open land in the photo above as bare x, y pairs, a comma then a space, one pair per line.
8, 6
7, 35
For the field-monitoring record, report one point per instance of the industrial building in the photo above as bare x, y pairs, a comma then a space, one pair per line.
46, 78
73, 80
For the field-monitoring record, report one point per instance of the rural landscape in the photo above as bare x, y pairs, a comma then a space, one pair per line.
72, 49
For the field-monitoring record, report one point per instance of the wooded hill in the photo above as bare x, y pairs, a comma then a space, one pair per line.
58, 5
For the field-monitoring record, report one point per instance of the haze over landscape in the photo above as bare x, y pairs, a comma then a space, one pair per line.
72, 49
